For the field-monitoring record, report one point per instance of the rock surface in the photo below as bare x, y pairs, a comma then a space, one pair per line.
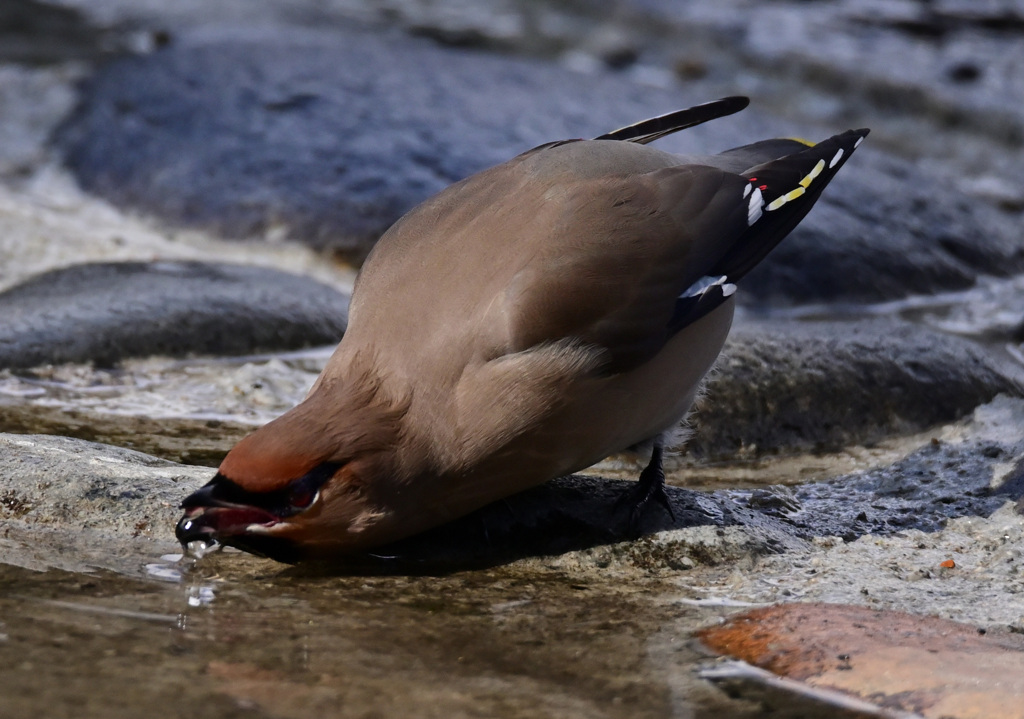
105, 312
77, 505
953, 60
937, 482
62, 482
823, 385
36, 33
75, 486
329, 135
958, 474
84, 488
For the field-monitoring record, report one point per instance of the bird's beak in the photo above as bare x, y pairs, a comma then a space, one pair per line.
213, 516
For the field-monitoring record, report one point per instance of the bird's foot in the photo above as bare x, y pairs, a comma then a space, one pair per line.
650, 487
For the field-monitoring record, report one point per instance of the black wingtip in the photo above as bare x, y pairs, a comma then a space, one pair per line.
860, 134
782, 193
657, 127
734, 103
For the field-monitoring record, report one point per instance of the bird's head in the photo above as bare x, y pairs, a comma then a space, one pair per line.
303, 486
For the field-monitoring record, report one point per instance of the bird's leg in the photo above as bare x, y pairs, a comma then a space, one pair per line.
651, 485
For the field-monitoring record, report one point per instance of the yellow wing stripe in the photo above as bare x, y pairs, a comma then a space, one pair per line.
795, 193
780, 201
813, 173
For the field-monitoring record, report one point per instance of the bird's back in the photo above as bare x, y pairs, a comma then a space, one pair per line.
523, 238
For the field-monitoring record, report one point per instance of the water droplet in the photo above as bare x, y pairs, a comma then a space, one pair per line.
200, 595
170, 557
163, 572
197, 548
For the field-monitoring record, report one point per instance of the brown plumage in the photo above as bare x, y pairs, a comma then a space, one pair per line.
518, 326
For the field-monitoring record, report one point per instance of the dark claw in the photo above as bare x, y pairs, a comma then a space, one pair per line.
650, 486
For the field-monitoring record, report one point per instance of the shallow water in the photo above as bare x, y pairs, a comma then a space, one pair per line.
248, 637
570, 636
248, 390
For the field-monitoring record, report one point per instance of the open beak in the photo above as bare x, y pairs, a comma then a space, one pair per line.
213, 518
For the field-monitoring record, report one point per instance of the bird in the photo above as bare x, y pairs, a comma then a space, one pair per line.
520, 325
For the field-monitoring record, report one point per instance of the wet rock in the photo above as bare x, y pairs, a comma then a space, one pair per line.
972, 475
592, 514
77, 505
816, 385
70, 488
329, 137
105, 312
922, 491
191, 411
63, 484
192, 441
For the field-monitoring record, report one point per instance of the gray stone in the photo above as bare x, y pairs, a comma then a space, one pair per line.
58, 481
78, 505
333, 135
581, 512
972, 475
105, 312
823, 386
112, 496
954, 61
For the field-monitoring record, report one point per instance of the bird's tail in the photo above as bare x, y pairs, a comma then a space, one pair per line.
657, 127
781, 193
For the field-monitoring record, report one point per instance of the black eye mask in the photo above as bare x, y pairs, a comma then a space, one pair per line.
291, 499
